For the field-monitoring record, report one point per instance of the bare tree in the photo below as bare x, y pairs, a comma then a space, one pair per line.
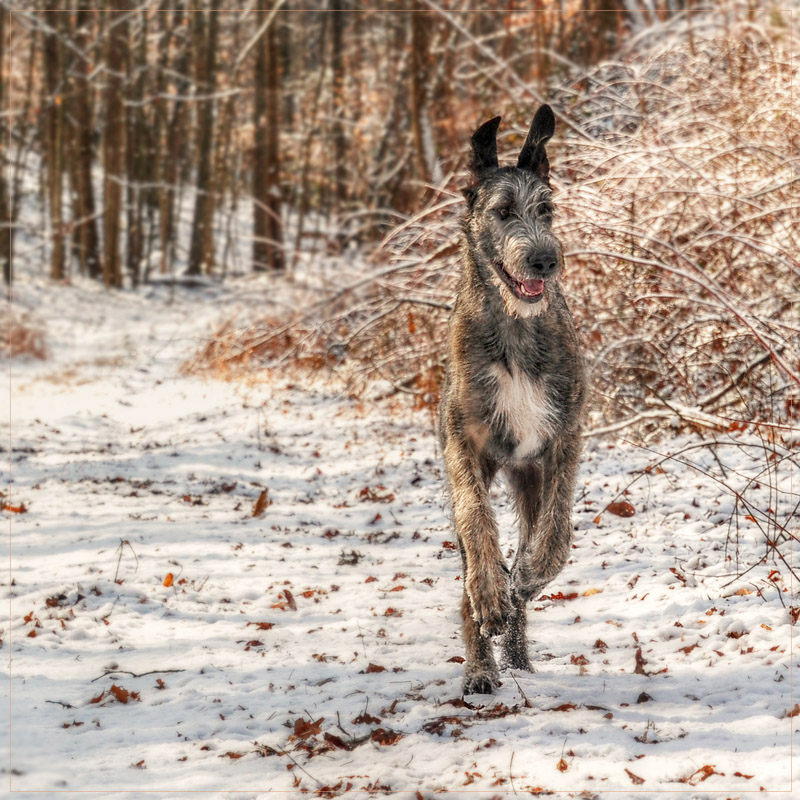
205, 26
267, 226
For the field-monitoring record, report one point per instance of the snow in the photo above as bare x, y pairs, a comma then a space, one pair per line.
317, 645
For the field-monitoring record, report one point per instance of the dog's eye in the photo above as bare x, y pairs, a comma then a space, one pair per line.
545, 209
504, 213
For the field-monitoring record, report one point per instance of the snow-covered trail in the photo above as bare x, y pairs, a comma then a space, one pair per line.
163, 638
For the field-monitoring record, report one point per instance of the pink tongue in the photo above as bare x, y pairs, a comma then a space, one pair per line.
532, 288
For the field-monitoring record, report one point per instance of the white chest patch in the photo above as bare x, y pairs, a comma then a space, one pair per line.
522, 406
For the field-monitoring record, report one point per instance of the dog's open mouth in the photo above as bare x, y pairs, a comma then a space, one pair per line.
530, 290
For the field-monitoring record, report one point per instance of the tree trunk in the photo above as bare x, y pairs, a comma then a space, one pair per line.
136, 150
267, 226
114, 142
338, 20
5, 161
52, 102
85, 235
174, 143
201, 252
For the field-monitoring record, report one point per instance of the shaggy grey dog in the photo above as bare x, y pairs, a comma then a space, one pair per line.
513, 397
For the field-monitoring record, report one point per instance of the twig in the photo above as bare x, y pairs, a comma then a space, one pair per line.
297, 763
135, 674
59, 703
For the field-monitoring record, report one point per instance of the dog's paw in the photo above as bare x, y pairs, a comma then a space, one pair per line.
481, 683
491, 602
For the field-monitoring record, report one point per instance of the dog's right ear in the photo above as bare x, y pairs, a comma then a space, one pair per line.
484, 148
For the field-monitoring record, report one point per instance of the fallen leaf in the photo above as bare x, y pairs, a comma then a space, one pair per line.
263, 626
700, 775
637, 781
336, 741
622, 508
365, 719
169, 579
563, 707
640, 662
384, 737
231, 754
741, 775
580, 661
20, 509
373, 668
562, 766
302, 729
261, 504
590, 592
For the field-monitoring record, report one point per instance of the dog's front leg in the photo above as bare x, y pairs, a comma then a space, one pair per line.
545, 505
486, 577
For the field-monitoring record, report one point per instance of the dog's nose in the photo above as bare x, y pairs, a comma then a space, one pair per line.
542, 262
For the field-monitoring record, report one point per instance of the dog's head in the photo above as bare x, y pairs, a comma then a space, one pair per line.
509, 216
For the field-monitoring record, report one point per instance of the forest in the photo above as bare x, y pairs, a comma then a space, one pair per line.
231, 237
195, 140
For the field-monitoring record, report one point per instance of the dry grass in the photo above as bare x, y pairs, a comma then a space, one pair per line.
676, 178
20, 336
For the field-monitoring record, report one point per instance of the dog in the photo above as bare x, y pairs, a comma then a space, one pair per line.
513, 397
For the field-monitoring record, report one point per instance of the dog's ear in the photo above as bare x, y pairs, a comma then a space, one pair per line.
484, 148
533, 156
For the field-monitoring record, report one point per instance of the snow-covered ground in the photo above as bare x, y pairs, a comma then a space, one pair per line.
163, 637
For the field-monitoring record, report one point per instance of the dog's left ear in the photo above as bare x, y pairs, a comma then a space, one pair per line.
484, 148
533, 156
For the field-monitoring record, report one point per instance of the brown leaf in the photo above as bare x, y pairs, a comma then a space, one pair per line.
303, 729
700, 775
231, 754
563, 707
795, 711
741, 775
580, 661
336, 741
384, 737
263, 626
290, 599
562, 766
640, 662
261, 504
169, 579
637, 781
98, 698
373, 668
456, 660
621, 508
365, 719
123, 695
20, 509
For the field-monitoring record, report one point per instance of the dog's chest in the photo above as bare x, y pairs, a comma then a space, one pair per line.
522, 407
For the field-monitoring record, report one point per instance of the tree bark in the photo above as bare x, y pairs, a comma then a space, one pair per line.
52, 102
5, 159
114, 142
85, 235
267, 226
338, 20
201, 251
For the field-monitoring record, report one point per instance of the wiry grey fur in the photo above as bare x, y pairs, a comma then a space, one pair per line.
513, 398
